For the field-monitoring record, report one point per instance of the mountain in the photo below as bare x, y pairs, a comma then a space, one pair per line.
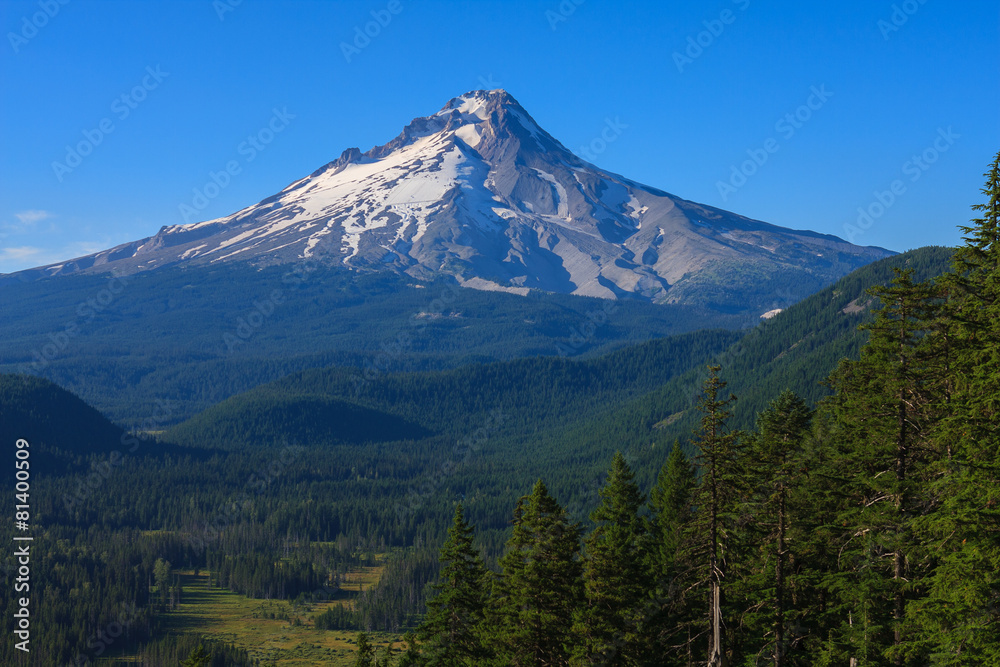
479, 192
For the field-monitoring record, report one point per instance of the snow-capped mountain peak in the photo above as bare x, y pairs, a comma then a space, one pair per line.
481, 192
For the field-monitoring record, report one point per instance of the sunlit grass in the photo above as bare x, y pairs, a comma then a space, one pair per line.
272, 630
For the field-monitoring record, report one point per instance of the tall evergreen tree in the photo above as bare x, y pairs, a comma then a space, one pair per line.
384, 658
670, 504
817, 535
541, 586
410, 657
198, 658
718, 498
365, 656
161, 576
960, 617
667, 617
883, 405
776, 450
451, 630
616, 580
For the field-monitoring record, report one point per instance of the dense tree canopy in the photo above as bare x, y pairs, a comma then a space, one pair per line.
798, 525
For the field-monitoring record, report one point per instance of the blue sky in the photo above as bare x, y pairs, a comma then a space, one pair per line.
794, 113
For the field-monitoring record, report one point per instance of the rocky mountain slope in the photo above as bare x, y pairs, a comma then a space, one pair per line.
480, 192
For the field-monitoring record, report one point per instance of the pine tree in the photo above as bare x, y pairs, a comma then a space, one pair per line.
960, 618
198, 658
541, 586
884, 408
161, 576
670, 504
616, 580
717, 498
366, 652
411, 655
776, 450
451, 630
384, 657
817, 535
667, 616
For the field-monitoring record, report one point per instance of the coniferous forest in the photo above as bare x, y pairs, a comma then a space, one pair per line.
822, 489
863, 532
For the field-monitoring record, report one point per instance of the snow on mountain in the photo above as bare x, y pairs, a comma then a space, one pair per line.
480, 192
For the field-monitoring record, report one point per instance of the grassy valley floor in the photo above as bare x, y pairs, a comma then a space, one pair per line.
274, 631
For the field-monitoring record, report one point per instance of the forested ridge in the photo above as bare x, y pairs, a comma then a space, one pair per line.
863, 532
195, 336
797, 524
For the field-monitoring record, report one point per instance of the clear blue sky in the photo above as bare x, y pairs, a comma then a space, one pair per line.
896, 89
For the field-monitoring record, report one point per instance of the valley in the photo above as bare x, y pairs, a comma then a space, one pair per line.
468, 398
322, 466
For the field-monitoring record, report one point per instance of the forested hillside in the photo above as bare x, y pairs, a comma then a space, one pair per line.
863, 532
796, 350
317, 484
792, 523
195, 336
559, 414
368, 463
40, 411
533, 394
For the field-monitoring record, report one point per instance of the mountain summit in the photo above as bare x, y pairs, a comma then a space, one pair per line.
480, 192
